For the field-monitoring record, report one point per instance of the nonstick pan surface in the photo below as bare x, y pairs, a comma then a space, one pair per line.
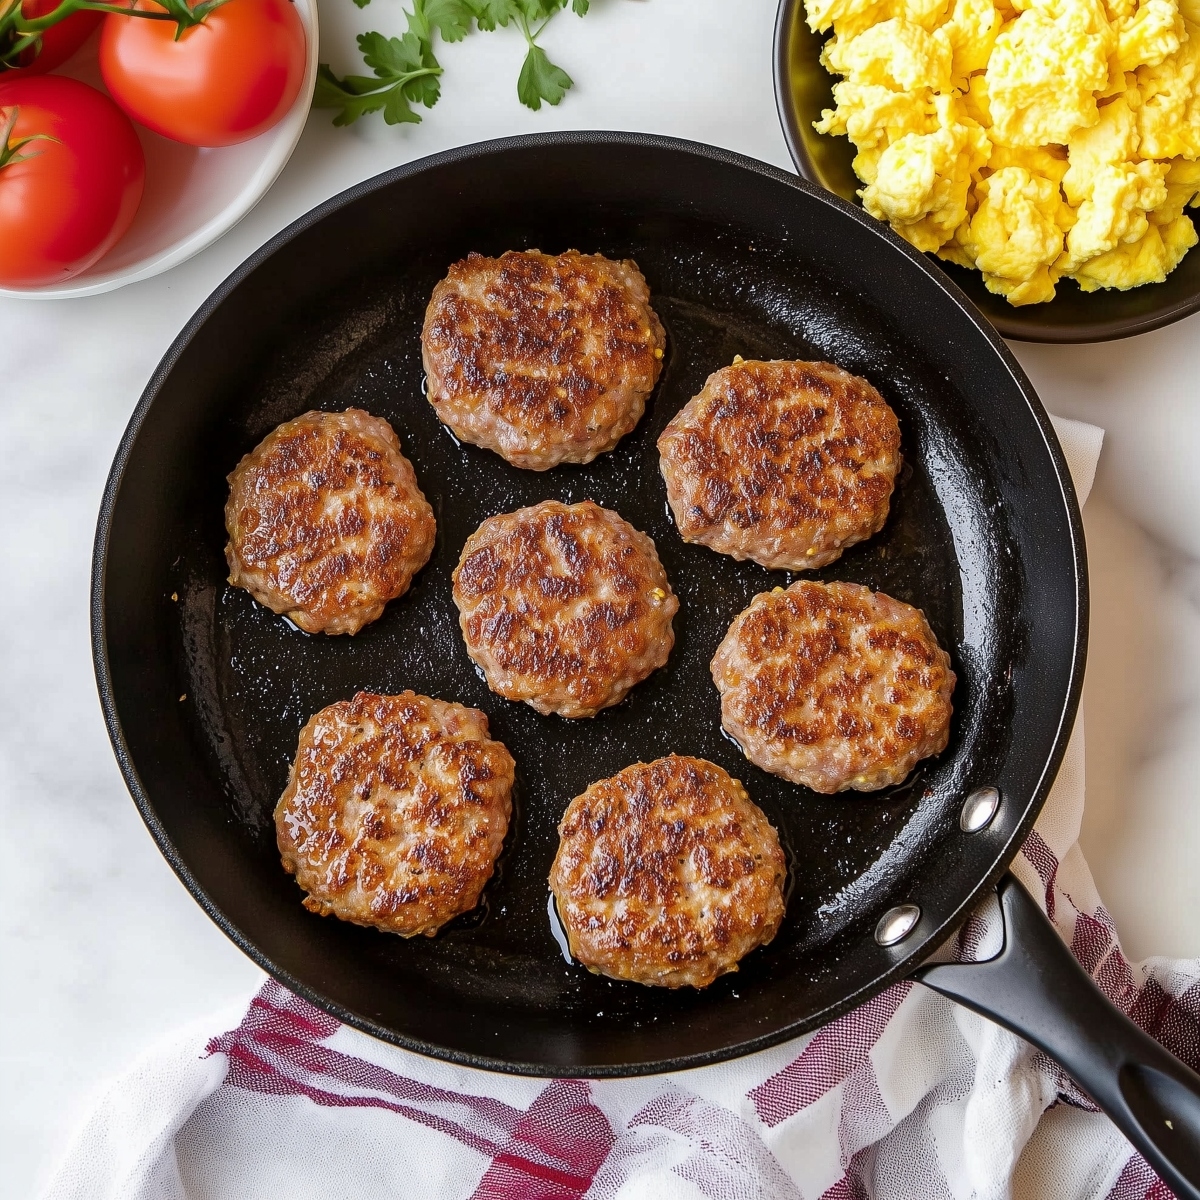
205, 692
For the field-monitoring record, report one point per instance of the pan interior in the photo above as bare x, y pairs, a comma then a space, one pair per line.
213, 689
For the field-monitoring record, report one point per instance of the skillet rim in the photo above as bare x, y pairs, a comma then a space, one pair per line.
904, 961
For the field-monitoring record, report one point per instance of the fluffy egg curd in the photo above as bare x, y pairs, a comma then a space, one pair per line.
1029, 139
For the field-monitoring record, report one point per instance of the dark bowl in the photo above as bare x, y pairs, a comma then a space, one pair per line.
803, 88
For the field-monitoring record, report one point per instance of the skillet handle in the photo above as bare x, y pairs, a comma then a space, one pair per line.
1036, 988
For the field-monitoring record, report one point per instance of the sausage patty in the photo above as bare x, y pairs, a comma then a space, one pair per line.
564, 606
542, 358
787, 463
395, 811
667, 874
326, 521
834, 686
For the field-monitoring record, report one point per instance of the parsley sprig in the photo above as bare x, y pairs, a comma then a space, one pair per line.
407, 72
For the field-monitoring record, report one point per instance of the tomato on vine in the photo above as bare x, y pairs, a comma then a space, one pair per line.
226, 77
71, 177
38, 35
56, 44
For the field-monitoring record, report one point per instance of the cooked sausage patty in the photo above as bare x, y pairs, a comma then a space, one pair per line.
326, 521
564, 606
834, 686
667, 874
542, 358
787, 463
395, 811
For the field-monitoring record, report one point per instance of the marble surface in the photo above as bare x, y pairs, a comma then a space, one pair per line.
103, 950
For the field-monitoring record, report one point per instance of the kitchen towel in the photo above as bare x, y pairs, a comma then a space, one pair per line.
908, 1096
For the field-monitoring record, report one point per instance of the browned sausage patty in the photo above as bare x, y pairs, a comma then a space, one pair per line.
326, 521
542, 358
667, 874
395, 811
787, 463
564, 606
834, 686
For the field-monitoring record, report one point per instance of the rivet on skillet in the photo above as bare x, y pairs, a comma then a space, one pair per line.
896, 924
979, 809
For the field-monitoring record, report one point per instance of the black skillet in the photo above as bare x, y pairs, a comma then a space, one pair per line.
803, 88
205, 692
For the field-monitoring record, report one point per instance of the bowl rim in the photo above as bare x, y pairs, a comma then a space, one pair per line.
279, 143
1017, 326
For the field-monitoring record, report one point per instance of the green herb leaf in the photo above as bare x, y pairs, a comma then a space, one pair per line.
390, 58
538, 10
332, 92
489, 14
397, 110
541, 80
407, 73
361, 85
451, 18
423, 89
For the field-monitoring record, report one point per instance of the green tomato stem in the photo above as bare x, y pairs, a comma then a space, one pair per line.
9, 147
18, 32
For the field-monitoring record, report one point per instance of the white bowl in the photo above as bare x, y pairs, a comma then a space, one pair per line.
193, 195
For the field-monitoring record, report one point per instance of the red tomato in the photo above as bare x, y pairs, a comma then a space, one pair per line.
59, 42
67, 203
224, 81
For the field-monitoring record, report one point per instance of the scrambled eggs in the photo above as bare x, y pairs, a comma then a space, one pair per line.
1029, 139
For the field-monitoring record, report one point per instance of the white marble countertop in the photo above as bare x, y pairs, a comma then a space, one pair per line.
103, 950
